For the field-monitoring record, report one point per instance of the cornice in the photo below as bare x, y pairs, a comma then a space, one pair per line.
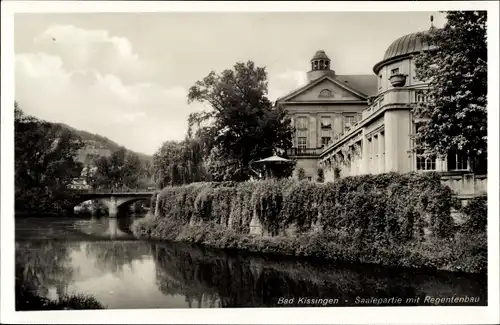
361, 124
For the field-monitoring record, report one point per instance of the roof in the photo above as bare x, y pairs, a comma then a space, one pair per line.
403, 46
364, 83
273, 159
320, 55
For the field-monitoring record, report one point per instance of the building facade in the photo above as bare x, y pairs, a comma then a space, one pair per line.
324, 108
363, 124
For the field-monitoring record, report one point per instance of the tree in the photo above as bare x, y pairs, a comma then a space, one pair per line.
45, 162
321, 176
177, 163
242, 122
121, 169
455, 116
133, 170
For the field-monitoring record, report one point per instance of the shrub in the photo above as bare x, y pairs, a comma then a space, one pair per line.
222, 198
477, 212
300, 205
242, 208
267, 200
320, 175
28, 300
301, 174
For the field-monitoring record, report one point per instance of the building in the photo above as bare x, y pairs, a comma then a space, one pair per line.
324, 108
362, 124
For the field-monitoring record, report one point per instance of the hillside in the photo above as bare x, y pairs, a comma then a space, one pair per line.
99, 145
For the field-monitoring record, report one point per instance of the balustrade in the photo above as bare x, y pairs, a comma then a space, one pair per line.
304, 152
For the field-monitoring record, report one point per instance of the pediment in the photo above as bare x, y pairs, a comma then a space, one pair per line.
324, 90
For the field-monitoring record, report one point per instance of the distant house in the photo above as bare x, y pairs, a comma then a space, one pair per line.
79, 184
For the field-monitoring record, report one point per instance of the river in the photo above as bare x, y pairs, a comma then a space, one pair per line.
101, 258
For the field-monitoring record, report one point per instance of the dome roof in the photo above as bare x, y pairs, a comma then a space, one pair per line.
320, 55
403, 46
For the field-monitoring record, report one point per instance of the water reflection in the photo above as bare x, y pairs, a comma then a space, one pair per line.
104, 227
135, 274
230, 280
44, 268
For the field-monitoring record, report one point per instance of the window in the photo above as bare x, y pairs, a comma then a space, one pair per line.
395, 71
326, 123
326, 93
325, 141
457, 161
349, 121
421, 96
302, 123
302, 142
380, 81
425, 163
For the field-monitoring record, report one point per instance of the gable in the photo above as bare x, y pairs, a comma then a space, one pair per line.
326, 90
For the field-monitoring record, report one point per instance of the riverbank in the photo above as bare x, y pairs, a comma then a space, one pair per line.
390, 220
445, 255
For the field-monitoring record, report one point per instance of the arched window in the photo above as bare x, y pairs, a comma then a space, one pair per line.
326, 93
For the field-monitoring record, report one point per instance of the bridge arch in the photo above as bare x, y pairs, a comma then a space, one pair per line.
114, 200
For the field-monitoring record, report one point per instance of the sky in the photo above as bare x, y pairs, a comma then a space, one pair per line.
126, 75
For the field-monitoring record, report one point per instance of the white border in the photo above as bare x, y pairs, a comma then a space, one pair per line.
372, 315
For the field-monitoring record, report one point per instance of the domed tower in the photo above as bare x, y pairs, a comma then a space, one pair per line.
320, 66
397, 68
398, 88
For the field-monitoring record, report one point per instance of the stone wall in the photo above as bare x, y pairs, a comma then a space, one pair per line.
467, 185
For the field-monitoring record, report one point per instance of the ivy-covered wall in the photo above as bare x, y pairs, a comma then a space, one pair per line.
365, 213
390, 206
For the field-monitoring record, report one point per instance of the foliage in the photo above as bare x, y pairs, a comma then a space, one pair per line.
45, 163
336, 172
301, 205
301, 174
242, 125
477, 213
320, 175
242, 210
29, 301
455, 114
177, 163
393, 219
390, 207
121, 169
267, 201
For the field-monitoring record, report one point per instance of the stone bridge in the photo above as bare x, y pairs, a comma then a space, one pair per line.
115, 199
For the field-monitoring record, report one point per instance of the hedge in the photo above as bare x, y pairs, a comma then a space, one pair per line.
360, 216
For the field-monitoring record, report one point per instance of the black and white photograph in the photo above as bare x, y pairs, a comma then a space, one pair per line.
261, 163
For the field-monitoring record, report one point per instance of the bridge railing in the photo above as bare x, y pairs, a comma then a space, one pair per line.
115, 190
